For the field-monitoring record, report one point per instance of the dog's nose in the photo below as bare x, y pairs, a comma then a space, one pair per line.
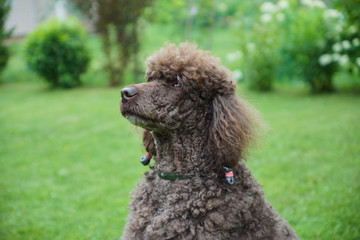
128, 93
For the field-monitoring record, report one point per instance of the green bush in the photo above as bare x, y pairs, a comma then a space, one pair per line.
260, 47
261, 58
57, 51
4, 56
346, 50
310, 29
4, 53
307, 40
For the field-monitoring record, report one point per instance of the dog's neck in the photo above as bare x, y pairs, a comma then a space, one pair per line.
180, 152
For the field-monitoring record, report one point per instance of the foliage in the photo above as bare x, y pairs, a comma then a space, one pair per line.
56, 50
259, 52
117, 22
4, 54
18, 71
312, 28
194, 20
352, 9
166, 12
204, 13
293, 39
318, 42
305, 39
261, 49
348, 44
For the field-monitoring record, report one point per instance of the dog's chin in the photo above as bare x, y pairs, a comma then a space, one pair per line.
130, 115
147, 123
140, 121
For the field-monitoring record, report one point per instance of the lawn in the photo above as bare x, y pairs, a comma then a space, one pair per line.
69, 160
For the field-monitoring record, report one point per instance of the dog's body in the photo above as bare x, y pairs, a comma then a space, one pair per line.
195, 126
203, 208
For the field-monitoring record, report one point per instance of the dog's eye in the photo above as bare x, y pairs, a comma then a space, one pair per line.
177, 84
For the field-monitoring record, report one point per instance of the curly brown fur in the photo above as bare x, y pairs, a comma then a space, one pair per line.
195, 125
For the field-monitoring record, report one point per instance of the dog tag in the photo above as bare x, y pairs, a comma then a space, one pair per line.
145, 160
229, 175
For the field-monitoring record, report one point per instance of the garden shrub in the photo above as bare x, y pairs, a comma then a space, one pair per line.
57, 51
311, 33
4, 53
305, 39
4, 56
345, 51
317, 41
261, 59
260, 48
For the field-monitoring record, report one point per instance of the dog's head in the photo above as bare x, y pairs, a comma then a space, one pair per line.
186, 88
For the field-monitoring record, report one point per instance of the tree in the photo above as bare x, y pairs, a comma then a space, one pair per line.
117, 22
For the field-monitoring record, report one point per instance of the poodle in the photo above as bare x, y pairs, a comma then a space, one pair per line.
197, 130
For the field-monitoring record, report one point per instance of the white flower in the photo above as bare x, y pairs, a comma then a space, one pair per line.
283, 4
250, 46
230, 57
332, 13
268, 7
346, 44
319, 4
352, 29
265, 18
337, 47
335, 57
280, 17
358, 61
356, 42
313, 3
237, 74
306, 2
325, 59
343, 60
338, 27
223, 7
193, 11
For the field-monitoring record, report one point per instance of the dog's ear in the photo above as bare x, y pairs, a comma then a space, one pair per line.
149, 143
231, 129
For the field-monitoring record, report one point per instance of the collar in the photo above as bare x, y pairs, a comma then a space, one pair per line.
173, 177
145, 160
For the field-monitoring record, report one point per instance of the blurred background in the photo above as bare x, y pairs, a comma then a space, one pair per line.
68, 160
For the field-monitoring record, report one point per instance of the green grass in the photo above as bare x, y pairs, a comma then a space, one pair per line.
69, 160
68, 163
309, 163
